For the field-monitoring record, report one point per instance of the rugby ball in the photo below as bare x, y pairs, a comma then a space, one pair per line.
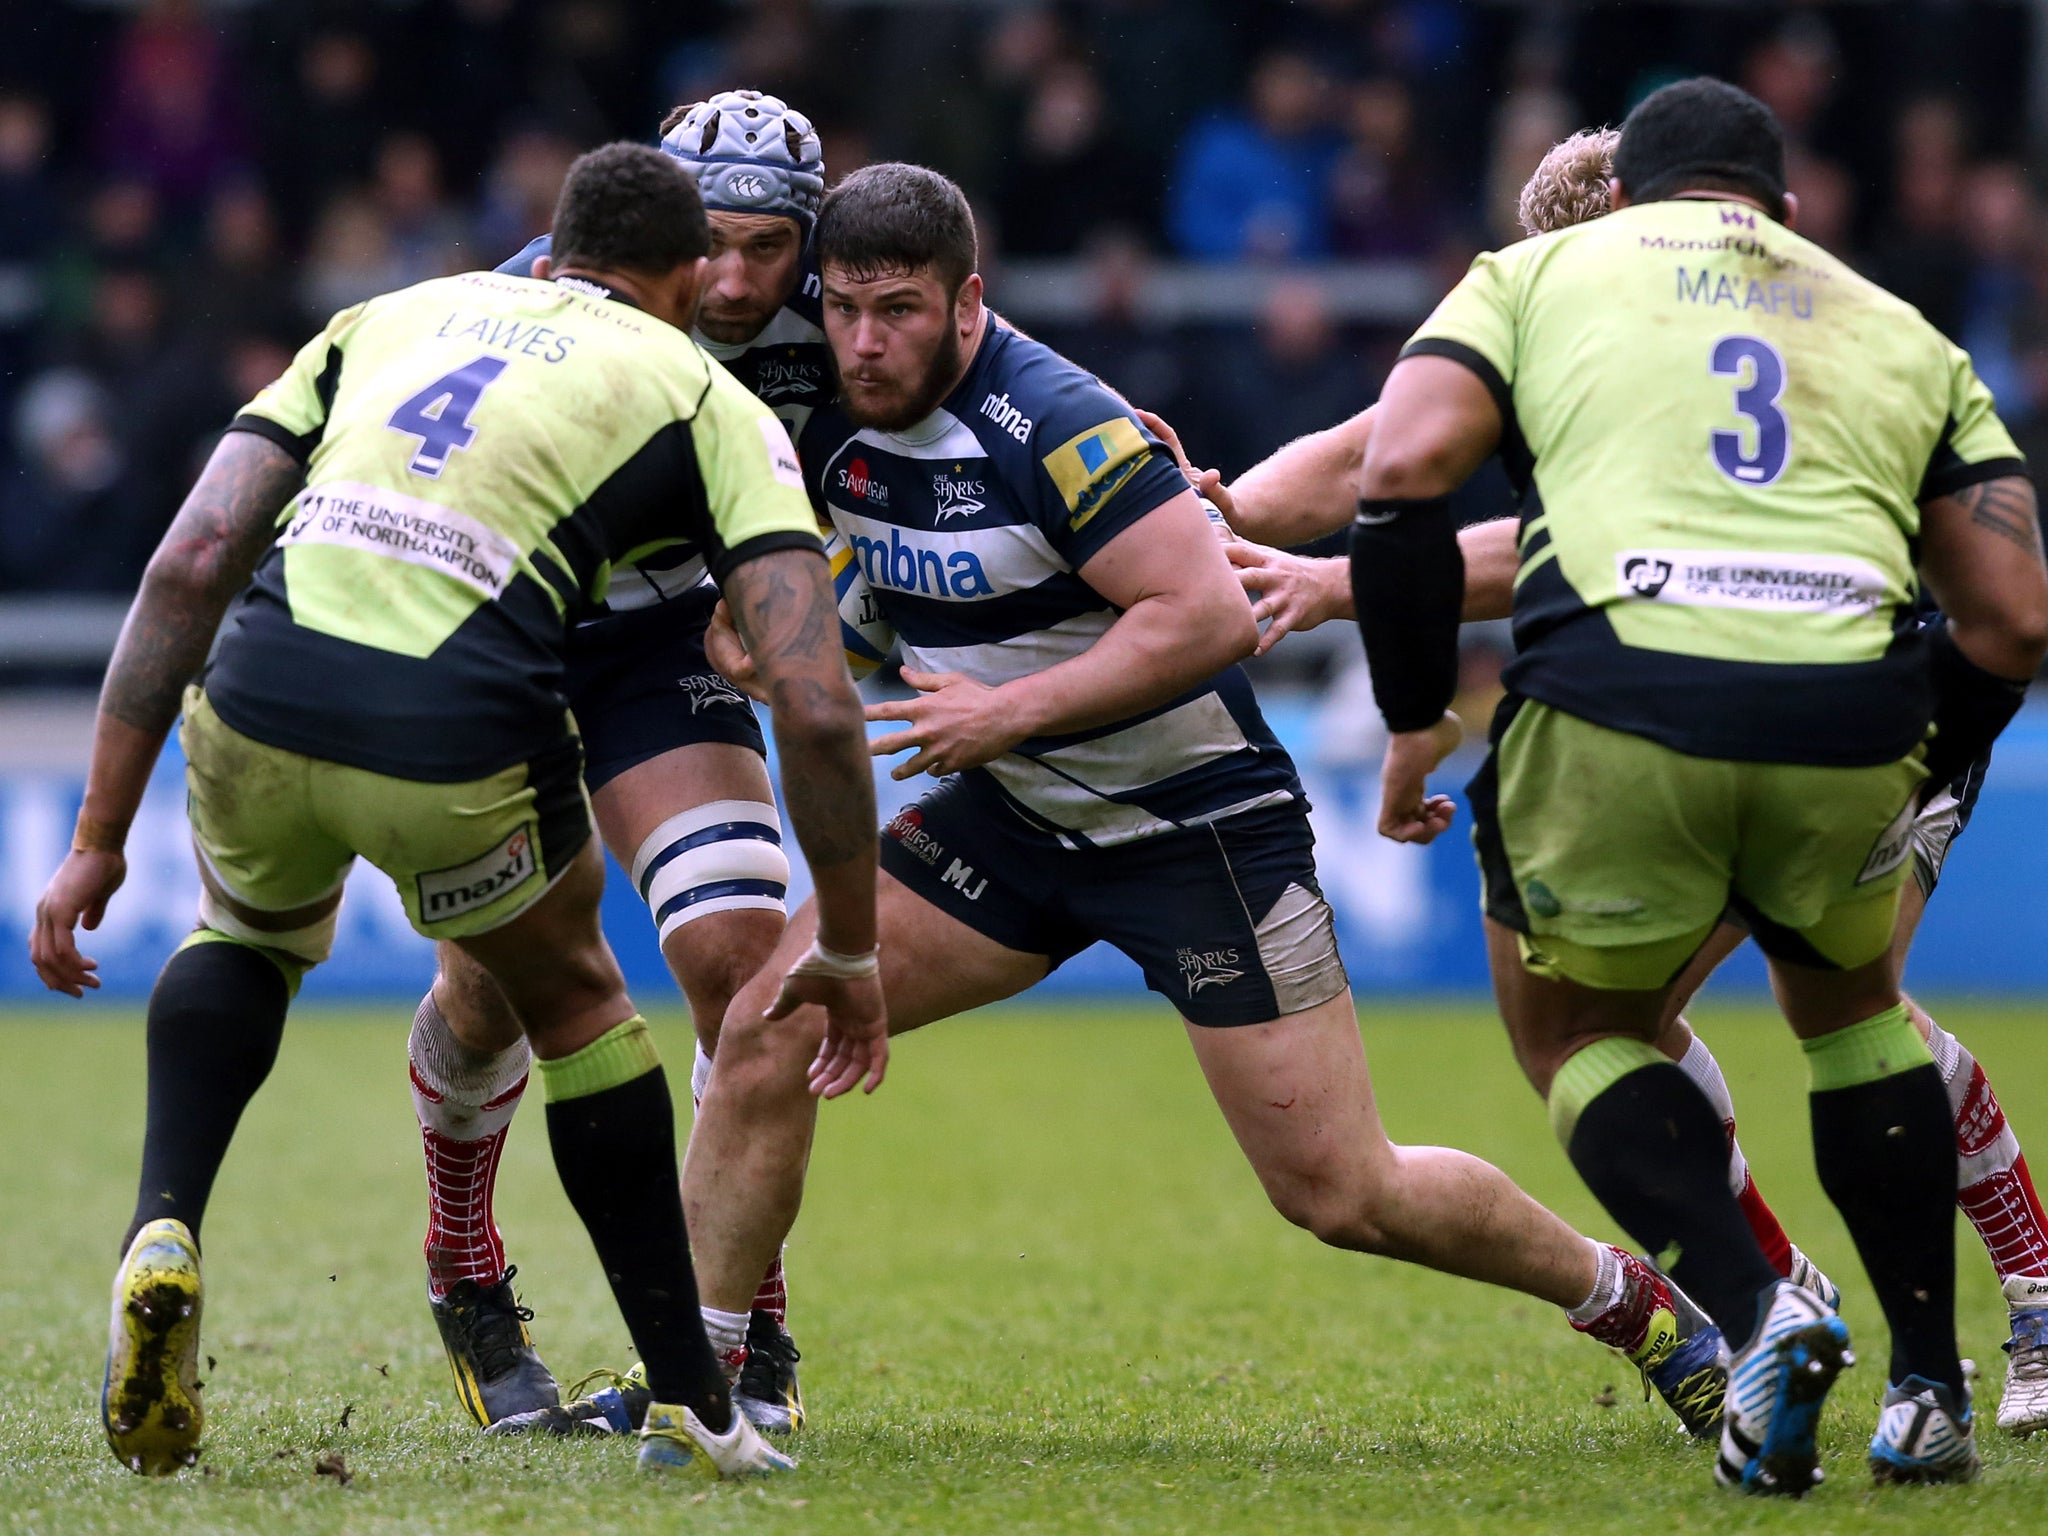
865, 635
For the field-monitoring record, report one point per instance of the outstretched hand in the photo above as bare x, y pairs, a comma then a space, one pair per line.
726, 651
1408, 813
76, 897
1289, 592
855, 1050
956, 724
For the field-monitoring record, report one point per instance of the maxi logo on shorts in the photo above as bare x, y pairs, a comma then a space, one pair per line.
446, 894
1778, 583
401, 527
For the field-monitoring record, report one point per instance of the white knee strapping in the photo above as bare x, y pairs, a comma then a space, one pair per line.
722, 857
312, 943
700, 1075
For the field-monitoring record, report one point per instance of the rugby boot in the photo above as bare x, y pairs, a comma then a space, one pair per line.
1656, 1327
149, 1399
673, 1439
2023, 1406
1777, 1384
1923, 1436
497, 1371
1808, 1277
617, 1407
767, 1391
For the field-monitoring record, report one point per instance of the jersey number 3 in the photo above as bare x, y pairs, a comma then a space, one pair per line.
1759, 371
439, 414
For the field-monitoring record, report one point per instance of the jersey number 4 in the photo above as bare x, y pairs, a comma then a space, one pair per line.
439, 414
1759, 371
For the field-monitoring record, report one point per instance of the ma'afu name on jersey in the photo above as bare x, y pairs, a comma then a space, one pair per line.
1793, 295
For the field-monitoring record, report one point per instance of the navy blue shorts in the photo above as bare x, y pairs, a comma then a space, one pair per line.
1226, 920
639, 686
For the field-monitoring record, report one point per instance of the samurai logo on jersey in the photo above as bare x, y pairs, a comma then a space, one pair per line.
1201, 968
856, 480
1773, 583
449, 893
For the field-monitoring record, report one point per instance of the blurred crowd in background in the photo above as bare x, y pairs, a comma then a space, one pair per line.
187, 189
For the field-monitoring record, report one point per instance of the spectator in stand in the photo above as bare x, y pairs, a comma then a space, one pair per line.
29, 226
1827, 201
1385, 203
350, 258
427, 236
1921, 256
173, 106
1065, 174
62, 500
333, 130
1296, 375
1255, 183
2001, 227
1526, 125
520, 192
240, 284
1126, 345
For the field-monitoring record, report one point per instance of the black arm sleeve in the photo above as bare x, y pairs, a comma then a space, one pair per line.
1408, 581
1971, 706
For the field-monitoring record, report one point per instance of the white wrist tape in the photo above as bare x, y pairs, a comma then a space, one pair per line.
820, 961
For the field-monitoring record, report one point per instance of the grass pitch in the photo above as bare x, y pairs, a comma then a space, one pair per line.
1037, 1288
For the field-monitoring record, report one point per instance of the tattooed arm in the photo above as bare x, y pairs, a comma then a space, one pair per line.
1980, 553
783, 606
206, 556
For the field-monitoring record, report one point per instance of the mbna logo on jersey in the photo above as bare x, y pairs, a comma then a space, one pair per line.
1646, 575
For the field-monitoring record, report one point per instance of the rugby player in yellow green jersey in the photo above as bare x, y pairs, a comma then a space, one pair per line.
1307, 489
1732, 447
438, 487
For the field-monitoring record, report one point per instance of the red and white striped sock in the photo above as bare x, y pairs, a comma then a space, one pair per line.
464, 1100
1699, 1064
1993, 1186
773, 1296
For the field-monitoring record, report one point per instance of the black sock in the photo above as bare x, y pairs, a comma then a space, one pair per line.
215, 1020
1653, 1151
1886, 1155
616, 1153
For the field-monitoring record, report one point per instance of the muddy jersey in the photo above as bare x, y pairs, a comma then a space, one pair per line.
483, 454
971, 529
1725, 435
787, 368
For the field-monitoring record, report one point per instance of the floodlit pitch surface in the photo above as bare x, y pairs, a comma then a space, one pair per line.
1036, 1288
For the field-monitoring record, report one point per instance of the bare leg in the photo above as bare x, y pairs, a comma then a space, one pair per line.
743, 1178
1298, 1097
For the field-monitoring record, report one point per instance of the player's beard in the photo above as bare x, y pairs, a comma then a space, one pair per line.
910, 407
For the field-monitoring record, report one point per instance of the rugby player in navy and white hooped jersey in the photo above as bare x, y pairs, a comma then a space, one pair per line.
1072, 626
673, 757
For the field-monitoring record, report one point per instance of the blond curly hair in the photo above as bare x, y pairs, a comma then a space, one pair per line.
1570, 185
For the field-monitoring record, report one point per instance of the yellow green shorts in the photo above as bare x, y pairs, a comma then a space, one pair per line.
1614, 857
278, 831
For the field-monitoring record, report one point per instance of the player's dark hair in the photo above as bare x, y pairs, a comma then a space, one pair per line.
898, 218
628, 208
1702, 134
